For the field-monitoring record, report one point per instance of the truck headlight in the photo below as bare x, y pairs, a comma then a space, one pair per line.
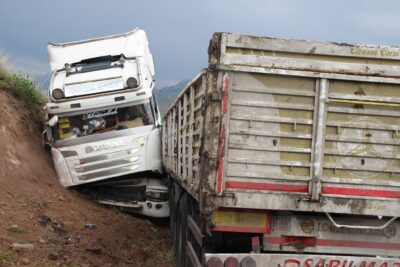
132, 82
157, 195
69, 153
57, 93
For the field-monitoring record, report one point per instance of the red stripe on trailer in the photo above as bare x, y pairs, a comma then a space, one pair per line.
267, 186
225, 98
221, 141
339, 243
221, 159
330, 190
359, 244
224, 109
255, 241
220, 169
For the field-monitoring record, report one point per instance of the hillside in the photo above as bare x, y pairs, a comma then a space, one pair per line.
166, 95
37, 212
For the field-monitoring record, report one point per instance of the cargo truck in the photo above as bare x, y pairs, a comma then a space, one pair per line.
284, 153
103, 123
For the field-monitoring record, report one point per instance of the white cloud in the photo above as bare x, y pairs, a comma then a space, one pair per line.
29, 66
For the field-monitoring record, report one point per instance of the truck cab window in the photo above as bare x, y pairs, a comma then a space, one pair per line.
97, 122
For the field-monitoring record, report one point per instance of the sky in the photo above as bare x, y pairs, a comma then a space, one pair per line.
179, 31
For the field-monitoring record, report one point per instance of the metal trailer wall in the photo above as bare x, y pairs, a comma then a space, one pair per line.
289, 125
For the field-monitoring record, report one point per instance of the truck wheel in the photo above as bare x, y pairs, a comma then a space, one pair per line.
46, 146
181, 232
173, 208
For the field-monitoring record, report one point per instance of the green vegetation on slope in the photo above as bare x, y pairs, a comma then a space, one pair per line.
26, 91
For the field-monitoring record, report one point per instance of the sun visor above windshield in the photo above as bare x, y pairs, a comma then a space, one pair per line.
131, 44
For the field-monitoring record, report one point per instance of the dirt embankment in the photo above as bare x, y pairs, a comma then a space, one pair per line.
49, 221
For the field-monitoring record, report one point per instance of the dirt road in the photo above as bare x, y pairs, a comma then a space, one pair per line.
43, 224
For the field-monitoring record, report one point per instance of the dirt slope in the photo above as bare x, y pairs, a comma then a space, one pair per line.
35, 209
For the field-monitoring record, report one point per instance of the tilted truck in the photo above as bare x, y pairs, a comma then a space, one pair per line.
103, 123
284, 153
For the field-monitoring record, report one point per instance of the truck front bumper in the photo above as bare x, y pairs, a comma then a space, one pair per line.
146, 208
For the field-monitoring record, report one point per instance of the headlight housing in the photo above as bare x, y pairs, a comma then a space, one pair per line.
57, 94
157, 195
132, 82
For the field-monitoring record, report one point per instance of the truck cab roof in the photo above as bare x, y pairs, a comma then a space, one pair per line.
131, 44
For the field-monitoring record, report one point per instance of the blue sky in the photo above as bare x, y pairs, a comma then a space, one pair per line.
179, 31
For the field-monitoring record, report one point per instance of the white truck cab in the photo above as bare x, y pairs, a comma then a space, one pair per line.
103, 121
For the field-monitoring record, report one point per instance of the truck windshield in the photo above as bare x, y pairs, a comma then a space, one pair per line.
105, 120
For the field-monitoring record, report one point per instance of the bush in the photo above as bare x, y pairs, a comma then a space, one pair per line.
26, 91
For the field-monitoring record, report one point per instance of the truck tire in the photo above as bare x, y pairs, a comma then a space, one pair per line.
181, 225
172, 204
46, 146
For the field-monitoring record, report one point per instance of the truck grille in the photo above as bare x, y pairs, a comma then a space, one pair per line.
111, 164
125, 194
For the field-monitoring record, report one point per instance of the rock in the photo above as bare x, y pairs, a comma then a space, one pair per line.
96, 251
90, 225
53, 256
25, 261
45, 221
41, 241
21, 246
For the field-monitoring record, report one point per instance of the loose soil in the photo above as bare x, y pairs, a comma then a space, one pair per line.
35, 209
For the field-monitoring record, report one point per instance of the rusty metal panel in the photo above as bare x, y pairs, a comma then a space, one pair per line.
280, 125
362, 139
330, 147
269, 133
182, 131
303, 55
297, 119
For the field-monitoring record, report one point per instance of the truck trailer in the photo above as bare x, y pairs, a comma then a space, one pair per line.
284, 153
103, 123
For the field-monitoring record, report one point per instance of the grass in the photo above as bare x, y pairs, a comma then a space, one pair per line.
6, 259
17, 230
26, 91
170, 257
